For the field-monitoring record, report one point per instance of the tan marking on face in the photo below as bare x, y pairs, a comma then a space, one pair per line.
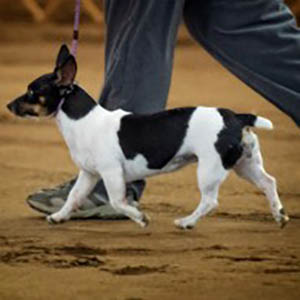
36, 108
42, 99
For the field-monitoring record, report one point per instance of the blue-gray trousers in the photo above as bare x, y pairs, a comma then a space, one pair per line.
257, 40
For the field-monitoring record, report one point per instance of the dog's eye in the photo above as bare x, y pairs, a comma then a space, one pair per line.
30, 93
32, 97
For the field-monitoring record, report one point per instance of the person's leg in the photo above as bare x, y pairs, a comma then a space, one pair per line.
258, 41
140, 41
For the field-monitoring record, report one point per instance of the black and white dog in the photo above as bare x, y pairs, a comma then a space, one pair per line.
121, 147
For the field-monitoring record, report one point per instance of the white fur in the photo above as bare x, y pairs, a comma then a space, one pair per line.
94, 147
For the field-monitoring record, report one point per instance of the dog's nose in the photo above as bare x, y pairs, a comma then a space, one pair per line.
11, 106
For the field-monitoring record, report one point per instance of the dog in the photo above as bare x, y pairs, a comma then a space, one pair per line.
119, 146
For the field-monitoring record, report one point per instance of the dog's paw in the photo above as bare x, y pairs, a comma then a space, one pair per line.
184, 224
283, 218
144, 221
54, 219
51, 220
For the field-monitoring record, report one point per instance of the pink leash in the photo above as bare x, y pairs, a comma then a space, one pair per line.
76, 28
74, 45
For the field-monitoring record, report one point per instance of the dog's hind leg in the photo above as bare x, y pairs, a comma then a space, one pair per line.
116, 188
251, 168
81, 189
210, 177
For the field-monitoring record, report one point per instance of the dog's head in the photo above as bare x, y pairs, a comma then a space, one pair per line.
44, 94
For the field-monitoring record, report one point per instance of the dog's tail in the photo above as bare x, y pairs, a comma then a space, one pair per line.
255, 121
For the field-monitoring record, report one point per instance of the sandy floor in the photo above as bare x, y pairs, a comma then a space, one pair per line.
238, 253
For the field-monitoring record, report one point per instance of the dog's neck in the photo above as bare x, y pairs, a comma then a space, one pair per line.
76, 103
79, 115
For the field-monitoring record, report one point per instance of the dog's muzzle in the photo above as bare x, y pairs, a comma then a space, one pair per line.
12, 106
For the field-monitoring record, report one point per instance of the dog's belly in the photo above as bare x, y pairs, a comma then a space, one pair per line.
137, 168
179, 162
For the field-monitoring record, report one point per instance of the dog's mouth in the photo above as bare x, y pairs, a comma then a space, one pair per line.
29, 114
26, 110
24, 113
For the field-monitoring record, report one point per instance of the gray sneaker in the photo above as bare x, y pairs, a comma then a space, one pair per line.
49, 201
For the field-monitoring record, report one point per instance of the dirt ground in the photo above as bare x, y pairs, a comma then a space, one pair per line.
237, 253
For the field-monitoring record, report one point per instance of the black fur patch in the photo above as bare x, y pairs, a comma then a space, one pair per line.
44, 83
247, 119
78, 104
157, 136
229, 140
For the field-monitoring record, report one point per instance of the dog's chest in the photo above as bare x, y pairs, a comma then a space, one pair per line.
79, 137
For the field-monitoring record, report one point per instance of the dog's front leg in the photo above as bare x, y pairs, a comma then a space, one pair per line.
116, 188
81, 189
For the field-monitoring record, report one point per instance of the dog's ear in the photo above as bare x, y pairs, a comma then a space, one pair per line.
66, 72
62, 56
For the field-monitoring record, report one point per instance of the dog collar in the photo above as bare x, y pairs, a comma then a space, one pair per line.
64, 92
